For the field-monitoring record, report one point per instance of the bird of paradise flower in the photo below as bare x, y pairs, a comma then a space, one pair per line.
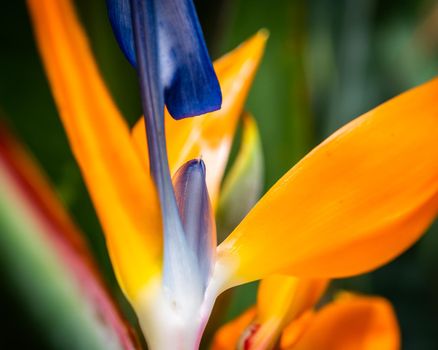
355, 202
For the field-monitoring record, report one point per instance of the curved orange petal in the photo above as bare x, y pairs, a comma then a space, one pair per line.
210, 136
100, 139
351, 322
227, 337
287, 297
293, 332
355, 202
281, 300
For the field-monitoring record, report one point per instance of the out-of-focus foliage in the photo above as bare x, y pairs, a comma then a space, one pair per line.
241, 189
326, 62
47, 262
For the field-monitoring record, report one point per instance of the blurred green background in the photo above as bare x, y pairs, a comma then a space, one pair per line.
326, 62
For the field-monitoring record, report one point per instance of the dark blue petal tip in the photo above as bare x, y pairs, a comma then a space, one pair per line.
189, 83
196, 213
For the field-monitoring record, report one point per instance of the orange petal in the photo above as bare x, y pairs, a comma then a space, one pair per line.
281, 300
292, 332
287, 297
121, 189
210, 136
355, 202
227, 337
351, 322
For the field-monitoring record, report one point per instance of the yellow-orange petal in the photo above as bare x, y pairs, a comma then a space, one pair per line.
121, 190
210, 136
287, 297
355, 202
351, 322
292, 332
282, 299
227, 337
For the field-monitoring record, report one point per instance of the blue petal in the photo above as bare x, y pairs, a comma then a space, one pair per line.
188, 80
196, 213
119, 13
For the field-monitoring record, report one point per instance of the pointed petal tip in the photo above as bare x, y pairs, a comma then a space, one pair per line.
250, 50
263, 34
196, 164
257, 42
